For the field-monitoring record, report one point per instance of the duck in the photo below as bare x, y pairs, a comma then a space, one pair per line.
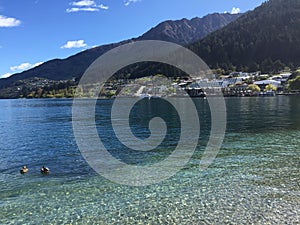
45, 170
24, 170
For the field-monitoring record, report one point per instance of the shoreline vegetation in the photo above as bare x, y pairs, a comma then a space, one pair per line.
235, 84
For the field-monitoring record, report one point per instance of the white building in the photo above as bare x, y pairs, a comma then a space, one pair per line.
266, 82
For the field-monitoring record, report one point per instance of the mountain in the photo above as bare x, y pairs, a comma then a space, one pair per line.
181, 31
266, 39
63, 69
188, 31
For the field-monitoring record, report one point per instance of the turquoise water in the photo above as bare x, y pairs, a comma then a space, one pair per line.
254, 179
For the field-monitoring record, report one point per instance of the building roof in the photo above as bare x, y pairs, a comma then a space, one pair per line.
273, 82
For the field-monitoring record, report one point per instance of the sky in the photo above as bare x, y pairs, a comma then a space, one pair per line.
35, 31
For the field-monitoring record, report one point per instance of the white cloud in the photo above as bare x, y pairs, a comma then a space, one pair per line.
128, 2
37, 64
89, 9
235, 10
101, 6
75, 44
24, 66
9, 21
20, 68
6, 75
86, 5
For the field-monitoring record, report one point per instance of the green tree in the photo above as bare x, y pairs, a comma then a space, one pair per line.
111, 93
294, 84
39, 93
254, 88
270, 87
267, 65
278, 66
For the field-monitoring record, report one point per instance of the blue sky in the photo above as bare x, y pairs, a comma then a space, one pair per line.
35, 31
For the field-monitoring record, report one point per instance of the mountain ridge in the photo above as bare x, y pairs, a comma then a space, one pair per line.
75, 65
265, 39
187, 31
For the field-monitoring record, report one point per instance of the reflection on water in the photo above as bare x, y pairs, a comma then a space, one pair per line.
254, 179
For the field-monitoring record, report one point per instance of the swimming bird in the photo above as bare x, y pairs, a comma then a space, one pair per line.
24, 170
45, 170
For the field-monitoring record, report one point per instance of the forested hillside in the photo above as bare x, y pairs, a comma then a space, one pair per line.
266, 39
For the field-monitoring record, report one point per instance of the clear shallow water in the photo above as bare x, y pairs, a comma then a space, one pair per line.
255, 178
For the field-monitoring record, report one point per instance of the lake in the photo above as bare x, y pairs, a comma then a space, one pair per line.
255, 178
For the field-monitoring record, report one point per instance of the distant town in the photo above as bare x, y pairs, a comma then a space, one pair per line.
235, 84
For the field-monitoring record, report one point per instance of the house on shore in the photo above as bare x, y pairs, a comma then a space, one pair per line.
263, 83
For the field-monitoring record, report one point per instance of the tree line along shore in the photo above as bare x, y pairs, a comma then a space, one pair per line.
233, 84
